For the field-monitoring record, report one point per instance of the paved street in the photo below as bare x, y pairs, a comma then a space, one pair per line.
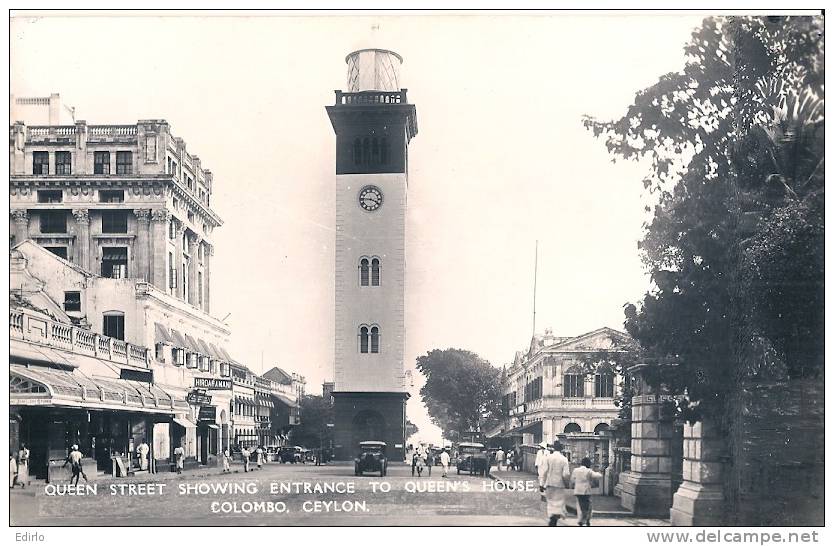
303, 495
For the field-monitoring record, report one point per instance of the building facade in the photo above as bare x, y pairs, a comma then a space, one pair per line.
374, 124
549, 392
122, 201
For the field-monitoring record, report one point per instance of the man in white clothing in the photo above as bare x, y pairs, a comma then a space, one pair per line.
444, 461
554, 475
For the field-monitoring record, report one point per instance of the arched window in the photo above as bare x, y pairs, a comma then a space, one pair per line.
363, 339
357, 152
604, 382
363, 272
574, 383
374, 339
600, 428
375, 272
571, 428
366, 151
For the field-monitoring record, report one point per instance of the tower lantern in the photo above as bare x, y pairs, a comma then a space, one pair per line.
374, 124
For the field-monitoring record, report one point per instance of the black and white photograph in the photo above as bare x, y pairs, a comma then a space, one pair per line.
475, 268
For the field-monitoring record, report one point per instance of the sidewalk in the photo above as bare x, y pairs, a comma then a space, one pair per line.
604, 506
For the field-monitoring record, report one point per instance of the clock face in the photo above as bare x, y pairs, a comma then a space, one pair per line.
370, 198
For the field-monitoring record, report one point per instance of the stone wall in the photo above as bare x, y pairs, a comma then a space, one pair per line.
782, 478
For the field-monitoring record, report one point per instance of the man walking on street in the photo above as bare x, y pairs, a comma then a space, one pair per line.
179, 458
499, 459
244, 452
142, 451
540, 455
444, 461
554, 476
23, 466
74, 459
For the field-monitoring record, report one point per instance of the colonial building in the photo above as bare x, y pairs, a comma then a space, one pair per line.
548, 392
122, 201
374, 124
286, 391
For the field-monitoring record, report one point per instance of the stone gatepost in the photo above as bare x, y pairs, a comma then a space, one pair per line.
647, 487
700, 498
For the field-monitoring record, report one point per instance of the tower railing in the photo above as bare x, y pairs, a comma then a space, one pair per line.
372, 97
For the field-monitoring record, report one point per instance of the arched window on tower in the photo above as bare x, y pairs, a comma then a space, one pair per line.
363, 272
363, 339
357, 152
374, 339
366, 151
375, 272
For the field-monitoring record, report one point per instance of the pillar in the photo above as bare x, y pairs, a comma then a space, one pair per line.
209, 252
180, 261
142, 253
80, 156
647, 487
21, 225
700, 498
194, 266
82, 238
19, 153
159, 248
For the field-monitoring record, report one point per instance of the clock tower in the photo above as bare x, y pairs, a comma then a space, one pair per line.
374, 124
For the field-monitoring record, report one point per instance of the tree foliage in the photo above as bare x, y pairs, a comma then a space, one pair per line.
462, 391
410, 429
315, 414
734, 144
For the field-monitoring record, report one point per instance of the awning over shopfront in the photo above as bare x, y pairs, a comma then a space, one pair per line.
28, 352
205, 349
179, 340
284, 399
192, 344
224, 354
184, 422
161, 334
46, 386
531, 428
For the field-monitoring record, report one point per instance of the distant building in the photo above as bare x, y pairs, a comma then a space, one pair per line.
546, 392
327, 389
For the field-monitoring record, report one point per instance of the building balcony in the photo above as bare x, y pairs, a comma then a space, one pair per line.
35, 328
372, 97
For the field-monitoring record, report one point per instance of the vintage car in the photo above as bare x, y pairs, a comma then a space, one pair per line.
472, 458
371, 458
290, 454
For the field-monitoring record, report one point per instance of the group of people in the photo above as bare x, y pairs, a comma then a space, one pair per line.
19, 467
509, 460
422, 456
556, 480
259, 452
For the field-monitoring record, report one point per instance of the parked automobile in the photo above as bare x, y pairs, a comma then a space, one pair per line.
290, 454
371, 458
472, 458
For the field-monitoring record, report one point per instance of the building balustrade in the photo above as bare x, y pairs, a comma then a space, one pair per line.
43, 331
372, 97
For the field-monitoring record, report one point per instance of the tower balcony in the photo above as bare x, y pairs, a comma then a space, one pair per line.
372, 97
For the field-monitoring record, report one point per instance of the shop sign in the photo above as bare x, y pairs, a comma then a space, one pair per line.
207, 413
198, 398
213, 383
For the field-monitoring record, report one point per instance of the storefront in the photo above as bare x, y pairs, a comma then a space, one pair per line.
55, 407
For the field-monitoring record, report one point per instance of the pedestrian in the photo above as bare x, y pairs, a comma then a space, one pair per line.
554, 476
444, 461
179, 458
12, 470
259, 457
517, 459
74, 459
227, 457
23, 466
244, 452
413, 455
540, 455
581, 479
499, 459
429, 458
142, 452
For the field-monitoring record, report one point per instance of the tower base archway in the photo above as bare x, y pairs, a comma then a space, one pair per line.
360, 415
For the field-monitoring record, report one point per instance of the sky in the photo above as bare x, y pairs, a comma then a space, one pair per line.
501, 161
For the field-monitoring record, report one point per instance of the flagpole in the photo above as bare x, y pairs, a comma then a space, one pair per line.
535, 279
